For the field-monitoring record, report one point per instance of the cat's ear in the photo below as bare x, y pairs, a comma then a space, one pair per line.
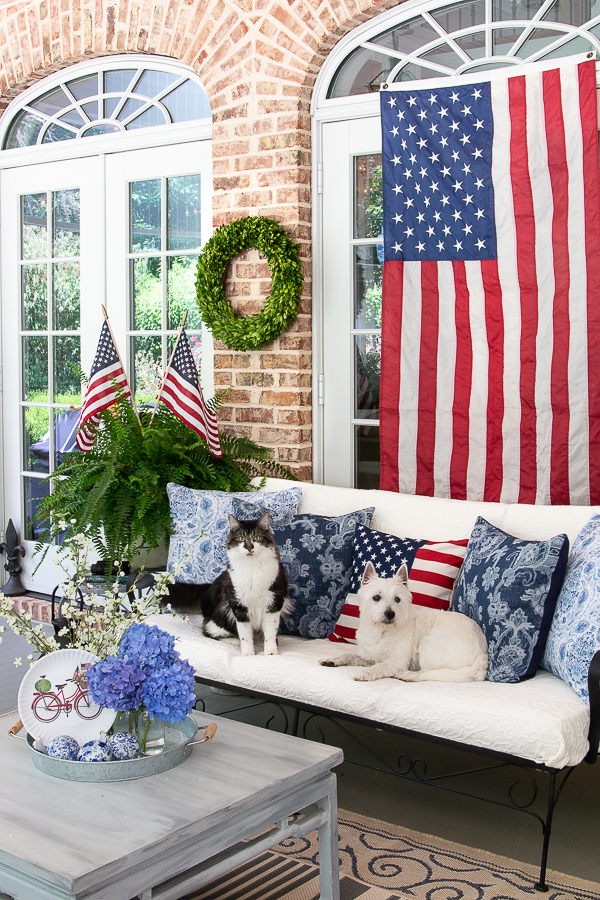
233, 522
263, 522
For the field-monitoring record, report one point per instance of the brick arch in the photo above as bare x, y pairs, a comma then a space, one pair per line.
258, 61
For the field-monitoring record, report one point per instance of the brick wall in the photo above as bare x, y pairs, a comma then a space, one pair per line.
258, 60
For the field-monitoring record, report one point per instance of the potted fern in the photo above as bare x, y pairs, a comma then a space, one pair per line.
116, 493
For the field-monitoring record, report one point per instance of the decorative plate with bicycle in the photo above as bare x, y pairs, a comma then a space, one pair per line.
54, 699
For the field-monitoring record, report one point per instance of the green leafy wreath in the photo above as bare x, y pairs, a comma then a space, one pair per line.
281, 307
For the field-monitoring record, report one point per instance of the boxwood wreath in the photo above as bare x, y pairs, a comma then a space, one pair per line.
281, 307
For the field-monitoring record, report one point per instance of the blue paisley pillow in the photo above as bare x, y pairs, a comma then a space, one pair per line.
201, 526
575, 631
510, 586
316, 552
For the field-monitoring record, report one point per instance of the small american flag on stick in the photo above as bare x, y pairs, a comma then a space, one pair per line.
182, 393
108, 383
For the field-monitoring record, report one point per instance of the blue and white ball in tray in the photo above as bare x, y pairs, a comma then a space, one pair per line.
94, 751
124, 745
63, 747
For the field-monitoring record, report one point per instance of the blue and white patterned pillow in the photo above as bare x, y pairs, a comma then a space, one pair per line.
510, 586
575, 631
246, 512
316, 552
201, 526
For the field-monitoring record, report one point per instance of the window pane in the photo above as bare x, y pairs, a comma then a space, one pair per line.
34, 225
35, 368
181, 293
65, 433
504, 38
152, 83
52, 102
147, 352
473, 44
36, 439
368, 196
146, 287
460, 15
187, 102
35, 294
65, 296
367, 373
366, 455
408, 37
58, 133
145, 215
184, 212
577, 45
538, 39
443, 56
152, 116
35, 490
571, 12
91, 109
503, 10
72, 118
119, 80
361, 73
84, 87
130, 107
67, 361
412, 72
368, 274
24, 131
66, 223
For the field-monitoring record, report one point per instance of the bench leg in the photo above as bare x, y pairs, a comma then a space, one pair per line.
552, 798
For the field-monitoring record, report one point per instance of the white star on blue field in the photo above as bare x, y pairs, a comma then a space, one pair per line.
437, 180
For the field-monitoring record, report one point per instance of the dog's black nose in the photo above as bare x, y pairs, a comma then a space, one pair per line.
390, 615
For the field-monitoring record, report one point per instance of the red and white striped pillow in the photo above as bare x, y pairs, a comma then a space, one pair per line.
431, 582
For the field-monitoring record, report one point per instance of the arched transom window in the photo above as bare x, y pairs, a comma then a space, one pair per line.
468, 37
117, 97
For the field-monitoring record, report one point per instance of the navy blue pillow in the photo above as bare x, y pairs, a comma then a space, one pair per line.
385, 551
316, 552
510, 586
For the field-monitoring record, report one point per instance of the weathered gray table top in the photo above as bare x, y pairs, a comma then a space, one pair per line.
73, 829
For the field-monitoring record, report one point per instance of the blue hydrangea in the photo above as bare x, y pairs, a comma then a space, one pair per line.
148, 647
116, 684
168, 693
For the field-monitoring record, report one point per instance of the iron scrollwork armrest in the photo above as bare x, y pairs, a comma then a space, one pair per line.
594, 691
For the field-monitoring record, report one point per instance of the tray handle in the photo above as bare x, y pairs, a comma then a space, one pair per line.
209, 734
15, 728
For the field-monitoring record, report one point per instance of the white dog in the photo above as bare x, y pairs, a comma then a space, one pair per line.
396, 639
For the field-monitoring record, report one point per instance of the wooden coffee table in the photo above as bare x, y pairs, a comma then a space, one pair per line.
162, 836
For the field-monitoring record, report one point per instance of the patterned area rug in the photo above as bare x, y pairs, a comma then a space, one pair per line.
379, 861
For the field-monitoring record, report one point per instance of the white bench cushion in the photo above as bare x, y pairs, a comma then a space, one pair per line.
541, 719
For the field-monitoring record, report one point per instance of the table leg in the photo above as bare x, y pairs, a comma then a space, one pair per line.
329, 861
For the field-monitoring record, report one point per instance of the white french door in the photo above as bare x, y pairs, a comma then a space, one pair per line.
352, 262
123, 230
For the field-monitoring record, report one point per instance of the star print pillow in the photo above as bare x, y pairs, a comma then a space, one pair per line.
433, 568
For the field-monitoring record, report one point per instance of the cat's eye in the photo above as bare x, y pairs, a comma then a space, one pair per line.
377, 598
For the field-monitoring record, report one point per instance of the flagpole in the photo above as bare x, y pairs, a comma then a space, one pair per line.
166, 372
122, 366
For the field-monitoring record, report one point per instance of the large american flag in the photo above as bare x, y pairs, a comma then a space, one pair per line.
107, 384
491, 290
183, 395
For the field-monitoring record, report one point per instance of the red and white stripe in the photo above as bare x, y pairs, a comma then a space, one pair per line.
188, 404
511, 410
104, 389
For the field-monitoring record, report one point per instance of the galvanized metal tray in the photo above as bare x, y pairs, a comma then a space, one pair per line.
179, 742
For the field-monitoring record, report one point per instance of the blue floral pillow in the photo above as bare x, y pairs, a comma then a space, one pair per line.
201, 526
316, 552
510, 587
575, 631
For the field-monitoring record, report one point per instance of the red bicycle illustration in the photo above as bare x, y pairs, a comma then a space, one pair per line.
47, 705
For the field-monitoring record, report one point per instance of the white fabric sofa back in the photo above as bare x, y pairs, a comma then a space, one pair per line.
437, 519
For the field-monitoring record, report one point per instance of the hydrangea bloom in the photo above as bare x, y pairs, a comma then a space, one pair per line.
116, 684
147, 646
169, 692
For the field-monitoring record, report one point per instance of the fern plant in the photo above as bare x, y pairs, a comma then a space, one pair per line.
117, 494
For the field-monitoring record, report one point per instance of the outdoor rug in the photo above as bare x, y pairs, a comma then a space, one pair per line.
379, 861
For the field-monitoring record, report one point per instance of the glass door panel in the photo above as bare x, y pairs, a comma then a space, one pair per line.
352, 281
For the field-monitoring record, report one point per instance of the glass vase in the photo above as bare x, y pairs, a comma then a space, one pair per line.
149, 732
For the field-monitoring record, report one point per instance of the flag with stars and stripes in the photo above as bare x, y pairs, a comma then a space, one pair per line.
490, 386
183, 395
107, 384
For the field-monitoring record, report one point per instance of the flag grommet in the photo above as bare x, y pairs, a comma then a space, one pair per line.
281, 306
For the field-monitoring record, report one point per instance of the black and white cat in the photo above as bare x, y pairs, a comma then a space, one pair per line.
250, 595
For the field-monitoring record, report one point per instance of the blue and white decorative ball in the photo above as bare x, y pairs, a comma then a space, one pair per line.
63, 747
124, 745
94, 751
